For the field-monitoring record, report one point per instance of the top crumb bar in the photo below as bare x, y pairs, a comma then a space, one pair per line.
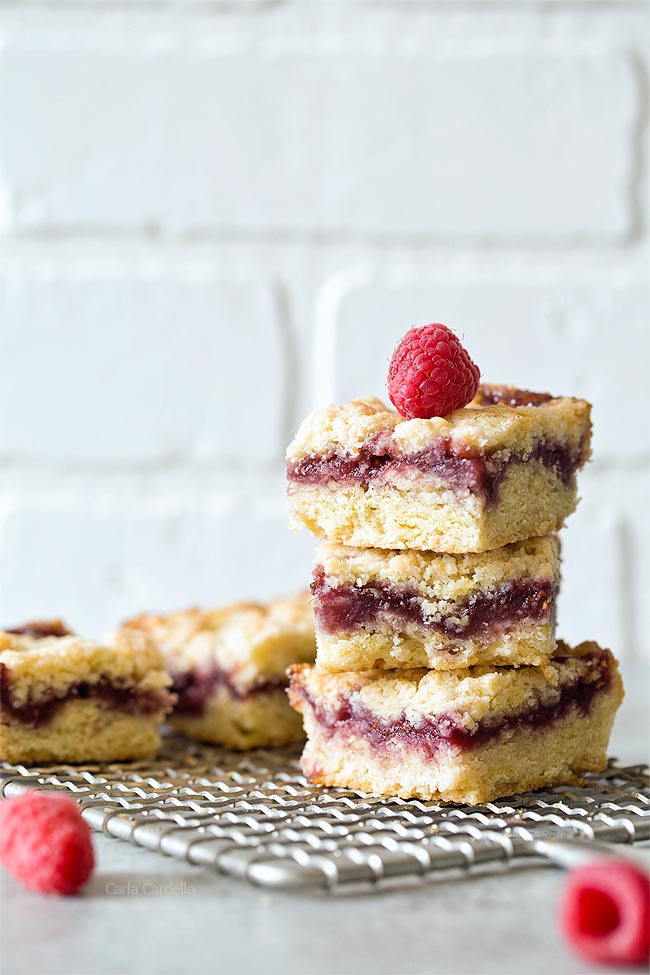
500, 470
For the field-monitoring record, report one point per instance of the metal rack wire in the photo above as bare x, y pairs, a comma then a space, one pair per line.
254, 816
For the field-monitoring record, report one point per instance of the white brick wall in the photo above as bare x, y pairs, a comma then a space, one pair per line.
216, 216
104, 558
141, 357
458, 124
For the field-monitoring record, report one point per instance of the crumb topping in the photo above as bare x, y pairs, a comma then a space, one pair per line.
37, 666
249, 641
486, 424
439, 576
473, 695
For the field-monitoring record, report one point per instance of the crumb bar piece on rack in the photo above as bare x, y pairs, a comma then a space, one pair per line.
460, 736
379, 609
499, 470
67, 699
229, 669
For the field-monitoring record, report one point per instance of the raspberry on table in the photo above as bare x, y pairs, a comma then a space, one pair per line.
431, 374
605, 912
45, 842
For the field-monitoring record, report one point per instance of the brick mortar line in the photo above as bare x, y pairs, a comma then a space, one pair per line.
255, 10
637, 178
97, 250
213, 262
415, 5
628, 242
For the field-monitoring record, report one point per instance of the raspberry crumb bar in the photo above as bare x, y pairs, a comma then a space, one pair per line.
67, 699
499, 470
379, 609
229, 669
460, 736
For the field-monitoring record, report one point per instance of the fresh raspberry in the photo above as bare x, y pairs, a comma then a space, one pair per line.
431, 374
605, 912
45, 842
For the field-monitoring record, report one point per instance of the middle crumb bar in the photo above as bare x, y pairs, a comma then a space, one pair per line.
379, 609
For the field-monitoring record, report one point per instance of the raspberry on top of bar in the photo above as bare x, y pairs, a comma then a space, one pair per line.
496, 471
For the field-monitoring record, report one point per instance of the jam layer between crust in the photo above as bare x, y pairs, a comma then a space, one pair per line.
41, 628
350, 719
460, 467
349, 607
194, 688
113, 696
510, 396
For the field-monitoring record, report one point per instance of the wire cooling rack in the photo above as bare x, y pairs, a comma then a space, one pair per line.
254, 816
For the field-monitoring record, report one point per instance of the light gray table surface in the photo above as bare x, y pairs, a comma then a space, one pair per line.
148, 915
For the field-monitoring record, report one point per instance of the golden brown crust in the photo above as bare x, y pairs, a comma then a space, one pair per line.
440, 576
289, 612
249, 641
38, 669
473, 694
406, 505
39, 666
491, 428
264, 720
82, 731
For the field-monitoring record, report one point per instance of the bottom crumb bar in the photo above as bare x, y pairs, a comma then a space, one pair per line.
464, 736
229, 669
67, 699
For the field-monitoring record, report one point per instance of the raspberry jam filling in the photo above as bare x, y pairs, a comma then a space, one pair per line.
114, 696
195, 688
350, 607
350, 719
510, 396
41, 628
459, 466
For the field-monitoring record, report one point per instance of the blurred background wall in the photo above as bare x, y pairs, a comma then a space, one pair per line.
217, 216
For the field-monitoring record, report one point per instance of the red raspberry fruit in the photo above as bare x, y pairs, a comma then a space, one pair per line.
431, 374
45, 842
605, 912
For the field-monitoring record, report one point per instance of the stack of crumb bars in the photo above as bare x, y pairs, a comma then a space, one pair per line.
438, 673
437, 670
